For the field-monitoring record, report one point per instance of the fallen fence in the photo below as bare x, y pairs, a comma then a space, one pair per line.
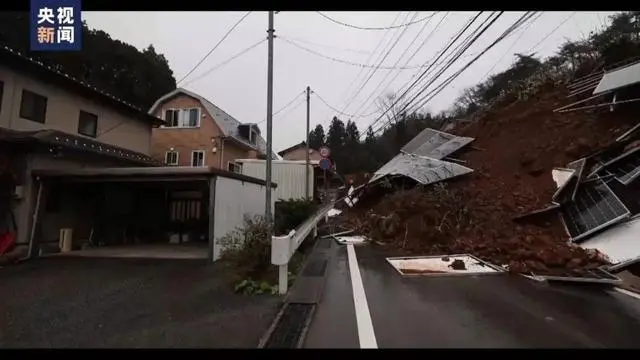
283, 247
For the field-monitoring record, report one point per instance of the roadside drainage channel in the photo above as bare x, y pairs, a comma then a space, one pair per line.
289, 328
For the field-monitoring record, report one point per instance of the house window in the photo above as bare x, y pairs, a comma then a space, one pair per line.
234, 167
88, 124
171, 158
197, 158
33, 106
171, 118
253, 136
182, 118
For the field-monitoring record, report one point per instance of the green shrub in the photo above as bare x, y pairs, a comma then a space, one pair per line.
247, 249
289, 214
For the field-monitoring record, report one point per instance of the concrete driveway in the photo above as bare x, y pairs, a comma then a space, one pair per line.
92, 302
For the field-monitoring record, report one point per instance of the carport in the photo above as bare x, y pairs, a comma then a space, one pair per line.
141, 208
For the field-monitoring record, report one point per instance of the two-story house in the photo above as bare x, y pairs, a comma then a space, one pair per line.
198, 133
49, 120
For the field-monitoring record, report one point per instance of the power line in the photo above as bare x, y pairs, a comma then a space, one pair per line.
331, 47
348, 88
552, 31
284, 107
524, 31
427, 97
375, 28
366, 81
216, 46
225, 62
441, 87
442, 52
338, 111
289, 41
415, 52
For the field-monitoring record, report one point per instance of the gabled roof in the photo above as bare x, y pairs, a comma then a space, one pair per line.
227, 123
25, 64
294, 147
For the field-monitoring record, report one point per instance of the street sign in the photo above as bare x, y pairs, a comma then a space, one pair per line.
325, 152
325, 164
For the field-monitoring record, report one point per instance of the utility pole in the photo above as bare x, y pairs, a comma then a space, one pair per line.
306, 178
267, 210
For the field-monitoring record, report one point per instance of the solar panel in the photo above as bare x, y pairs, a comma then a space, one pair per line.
594, 208
616, 79
627, 168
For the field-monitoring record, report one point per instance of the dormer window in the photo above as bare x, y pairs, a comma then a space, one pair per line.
253, 136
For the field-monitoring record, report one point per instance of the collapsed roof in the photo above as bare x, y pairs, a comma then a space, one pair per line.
421, 158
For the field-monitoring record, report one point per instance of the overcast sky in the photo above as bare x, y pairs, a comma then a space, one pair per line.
240, 86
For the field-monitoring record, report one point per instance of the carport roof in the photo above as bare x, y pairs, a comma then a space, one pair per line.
149, 173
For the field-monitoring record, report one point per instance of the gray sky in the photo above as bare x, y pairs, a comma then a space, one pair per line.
239, 87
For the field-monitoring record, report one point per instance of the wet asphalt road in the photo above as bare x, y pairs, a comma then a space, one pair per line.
489, 311
116, 303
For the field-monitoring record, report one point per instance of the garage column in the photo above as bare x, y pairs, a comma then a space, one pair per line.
211, 212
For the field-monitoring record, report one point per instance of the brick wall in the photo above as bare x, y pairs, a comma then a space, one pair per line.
184, 141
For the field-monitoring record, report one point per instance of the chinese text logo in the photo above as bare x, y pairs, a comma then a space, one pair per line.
56, 25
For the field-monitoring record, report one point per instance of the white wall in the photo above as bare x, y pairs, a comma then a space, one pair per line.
289, 176
233, 200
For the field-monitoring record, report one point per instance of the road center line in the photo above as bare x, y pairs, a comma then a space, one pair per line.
366, 335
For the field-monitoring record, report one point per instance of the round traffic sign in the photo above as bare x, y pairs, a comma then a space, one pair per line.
325, 164
325, 152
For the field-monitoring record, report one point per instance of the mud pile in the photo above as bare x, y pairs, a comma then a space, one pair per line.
516, 148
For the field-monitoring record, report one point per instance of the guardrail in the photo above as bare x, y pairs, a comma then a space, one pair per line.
283, 247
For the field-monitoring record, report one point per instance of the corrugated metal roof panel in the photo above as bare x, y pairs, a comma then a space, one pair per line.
420, 168
435, 144
619, 78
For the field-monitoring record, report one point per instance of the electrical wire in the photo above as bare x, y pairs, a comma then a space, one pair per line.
364, 52
355, 79
432, 61
286, 106
289, 41
515, 42
415, 52
375, 28
427, 97
216, 67
216, 46
552, 31
366, 81
338, 111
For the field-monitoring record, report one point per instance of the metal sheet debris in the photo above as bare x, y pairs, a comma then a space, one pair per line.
421, 169
621, 244
561, 176
442, 265
598, 276
334, 212
435, 144
350, 240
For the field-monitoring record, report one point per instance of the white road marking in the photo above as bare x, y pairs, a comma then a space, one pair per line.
366, 335
627, 292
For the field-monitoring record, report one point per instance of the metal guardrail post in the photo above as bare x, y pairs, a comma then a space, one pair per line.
283, 247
